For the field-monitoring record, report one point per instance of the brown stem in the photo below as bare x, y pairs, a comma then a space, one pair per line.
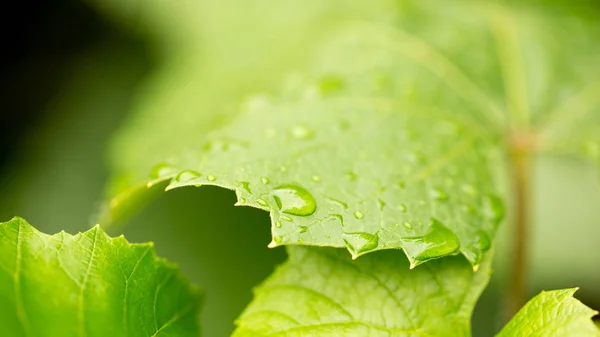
521, 147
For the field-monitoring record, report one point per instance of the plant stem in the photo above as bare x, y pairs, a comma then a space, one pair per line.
521, 147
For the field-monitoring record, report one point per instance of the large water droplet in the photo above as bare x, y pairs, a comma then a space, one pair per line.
293, 199
360, 242
186, 175
437, 242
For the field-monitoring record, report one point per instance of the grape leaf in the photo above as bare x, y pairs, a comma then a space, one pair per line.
388, 134
553, 313
315, 293
89, 285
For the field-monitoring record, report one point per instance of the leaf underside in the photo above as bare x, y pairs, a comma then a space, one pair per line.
89, 285
321, 292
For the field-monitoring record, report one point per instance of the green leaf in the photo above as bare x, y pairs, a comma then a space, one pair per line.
322, 292
553, 313
387, 131
89, 285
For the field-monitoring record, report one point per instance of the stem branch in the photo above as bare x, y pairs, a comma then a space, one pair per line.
521, 147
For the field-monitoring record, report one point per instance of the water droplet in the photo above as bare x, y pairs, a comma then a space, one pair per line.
246, 186
162, 170
300, 240
351, 176
358, 214
328, 236
293, 199
265, 180
330, 85
301, 132
303, 229
360, 242
242, 200
262, 202
316, 179
437, 242
408, 225
381, 203
403, 208
211, 177
286, 218
278, 224
439, 194
282, 168
483, 241
339, 217
338, 202
493, 208
186, 175
277, 239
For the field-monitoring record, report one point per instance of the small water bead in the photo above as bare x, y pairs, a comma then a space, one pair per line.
295, 200
283, 168
381, 203
286, 218
408, 225
494, 208
211, 177
262, 202
351, 176
246, 186
358, 214
316, 179
328, 236
303, 229
277, 239
278, 224
403, 208
265, 180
